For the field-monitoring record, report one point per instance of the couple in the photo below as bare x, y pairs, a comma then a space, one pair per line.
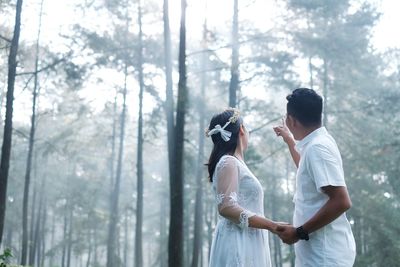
321, 232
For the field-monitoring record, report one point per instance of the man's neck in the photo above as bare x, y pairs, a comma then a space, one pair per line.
307, 130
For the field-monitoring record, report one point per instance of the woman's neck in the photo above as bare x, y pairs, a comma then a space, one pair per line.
239, 154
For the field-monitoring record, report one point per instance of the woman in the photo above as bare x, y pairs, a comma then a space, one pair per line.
239, 238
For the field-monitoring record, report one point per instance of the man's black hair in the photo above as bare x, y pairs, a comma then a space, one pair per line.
306, 106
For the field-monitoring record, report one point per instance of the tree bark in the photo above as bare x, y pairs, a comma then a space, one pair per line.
42, 254
35, 242
53, 229
175, 242
126, 239
32, 223
139, 162
310, 69
163, 231
112, 229
276, 241
69, 249
209, 221
291, 250
198, 222
113, 137
234, 83
64, 244
325, 93
90, 248
169, 102
30, 153
9, 236
95, 262
7, 135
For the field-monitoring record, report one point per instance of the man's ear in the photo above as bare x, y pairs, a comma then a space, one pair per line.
293, 121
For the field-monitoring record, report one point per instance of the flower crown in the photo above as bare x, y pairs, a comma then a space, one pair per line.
225, 135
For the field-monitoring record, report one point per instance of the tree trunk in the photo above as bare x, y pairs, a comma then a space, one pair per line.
169, 102
291, 250
175, 242
113, 138
310, 69
69, 250
32, 218
325, 93
112, 229
36, 240
198, 222
53, 229
139, 162
9, 236
210, 211
30, 156
90, 249
7, 134
126, 239
276, 240
187, 229
41, 258
163, 231
234, 83
95, 262
64, 243
34, 247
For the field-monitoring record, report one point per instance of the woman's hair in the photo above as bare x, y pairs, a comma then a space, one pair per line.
222, 147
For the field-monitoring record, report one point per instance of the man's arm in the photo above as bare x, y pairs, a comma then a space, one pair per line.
288, 139
293, 152
338, 203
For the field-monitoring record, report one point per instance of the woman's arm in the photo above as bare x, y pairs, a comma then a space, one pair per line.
227, 198
263, 223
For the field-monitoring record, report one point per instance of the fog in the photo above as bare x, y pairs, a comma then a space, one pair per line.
104, 106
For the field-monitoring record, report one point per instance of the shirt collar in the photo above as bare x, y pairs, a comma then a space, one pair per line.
320, 131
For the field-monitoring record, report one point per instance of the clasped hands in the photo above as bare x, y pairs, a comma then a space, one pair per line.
286, 232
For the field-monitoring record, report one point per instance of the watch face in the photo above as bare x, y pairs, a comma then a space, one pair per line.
302, 234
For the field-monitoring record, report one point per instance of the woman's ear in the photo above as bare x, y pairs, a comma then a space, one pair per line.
242, 131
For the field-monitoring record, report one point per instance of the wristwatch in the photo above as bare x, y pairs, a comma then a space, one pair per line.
302, 234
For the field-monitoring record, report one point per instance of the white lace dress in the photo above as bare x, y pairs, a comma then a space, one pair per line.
239, 196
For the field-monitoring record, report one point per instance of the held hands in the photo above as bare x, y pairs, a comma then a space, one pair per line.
286, 232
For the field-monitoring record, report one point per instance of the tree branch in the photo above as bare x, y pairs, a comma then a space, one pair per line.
5, 38
264, 124
45, 68
253, 163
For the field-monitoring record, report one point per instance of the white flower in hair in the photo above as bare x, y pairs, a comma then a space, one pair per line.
235, 116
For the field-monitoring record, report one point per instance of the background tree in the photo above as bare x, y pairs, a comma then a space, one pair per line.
139, 205
7, 135
30, 153
175, 256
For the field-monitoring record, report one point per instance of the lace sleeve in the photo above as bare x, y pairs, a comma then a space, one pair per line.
227, 181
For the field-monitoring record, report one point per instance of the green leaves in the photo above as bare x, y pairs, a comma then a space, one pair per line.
5, 257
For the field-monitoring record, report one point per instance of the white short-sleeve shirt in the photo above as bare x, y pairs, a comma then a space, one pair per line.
321, 165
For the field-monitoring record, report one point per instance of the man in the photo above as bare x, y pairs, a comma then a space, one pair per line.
320, 228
